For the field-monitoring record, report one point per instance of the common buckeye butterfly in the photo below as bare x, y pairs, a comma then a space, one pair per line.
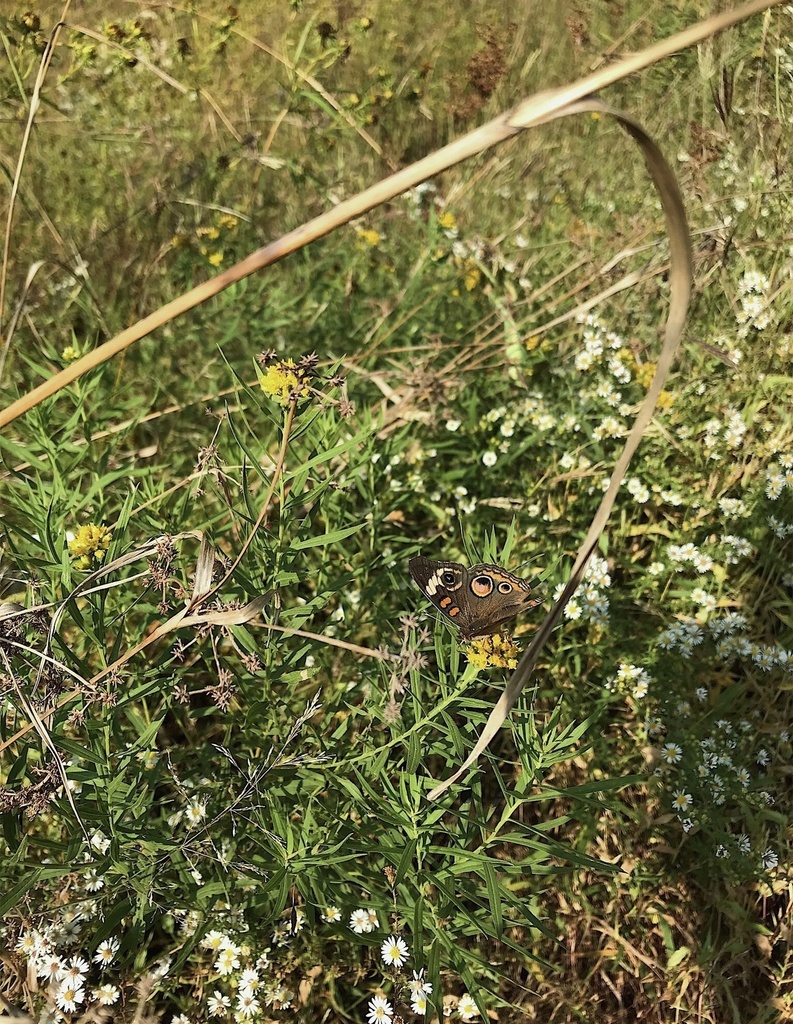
476, 599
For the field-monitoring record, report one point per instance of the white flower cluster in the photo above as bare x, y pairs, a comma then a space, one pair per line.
728, 433
682, 553
638, 679
639, 491
729, 623
753, 294
733, 508
598, 341
250, 990
65, 976
681, 636
737, 548
589, 603
778, 476
779, 528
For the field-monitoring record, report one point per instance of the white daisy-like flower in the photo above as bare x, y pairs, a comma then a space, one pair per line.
373, 920
215, 941
331, 914
250, 983
359, 921
227, 962
218, 1003
195, 812
51, 967
106, 994
418, 984
30, 943
100, 842
247, 1005
380, 1011
671, 753
489, 459
106, 952
279, 997
77, 968
769, 860
161, 968
452, 425
394, 951
419, 1003
466, 1007
92, 880
69, 995
682, 801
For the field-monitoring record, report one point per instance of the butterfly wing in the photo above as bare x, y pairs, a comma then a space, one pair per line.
443, 583
496, 596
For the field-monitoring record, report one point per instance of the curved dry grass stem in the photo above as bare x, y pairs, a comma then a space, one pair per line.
680, 292
537, 110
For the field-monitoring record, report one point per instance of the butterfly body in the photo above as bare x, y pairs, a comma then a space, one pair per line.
478, 598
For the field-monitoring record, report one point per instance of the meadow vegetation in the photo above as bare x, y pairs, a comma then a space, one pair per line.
223, 820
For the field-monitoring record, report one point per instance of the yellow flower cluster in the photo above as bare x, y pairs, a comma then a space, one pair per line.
89, 545
206, 234
496, 651
473, 275
368, 236
283, 379
644, 373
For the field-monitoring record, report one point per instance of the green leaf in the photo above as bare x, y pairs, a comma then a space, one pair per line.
332, 537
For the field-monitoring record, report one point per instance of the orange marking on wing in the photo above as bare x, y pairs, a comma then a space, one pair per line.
445, 602
454, 611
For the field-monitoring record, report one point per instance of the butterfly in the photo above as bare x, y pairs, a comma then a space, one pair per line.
478, 599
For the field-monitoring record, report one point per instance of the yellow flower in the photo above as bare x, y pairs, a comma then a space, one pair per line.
532, 342
473, 276
90, 544
496, 651
665, 400
368, 236
179, 241
282, 380
644, 374
70, 353
447, 221
228, 221
208, 232
216, 258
